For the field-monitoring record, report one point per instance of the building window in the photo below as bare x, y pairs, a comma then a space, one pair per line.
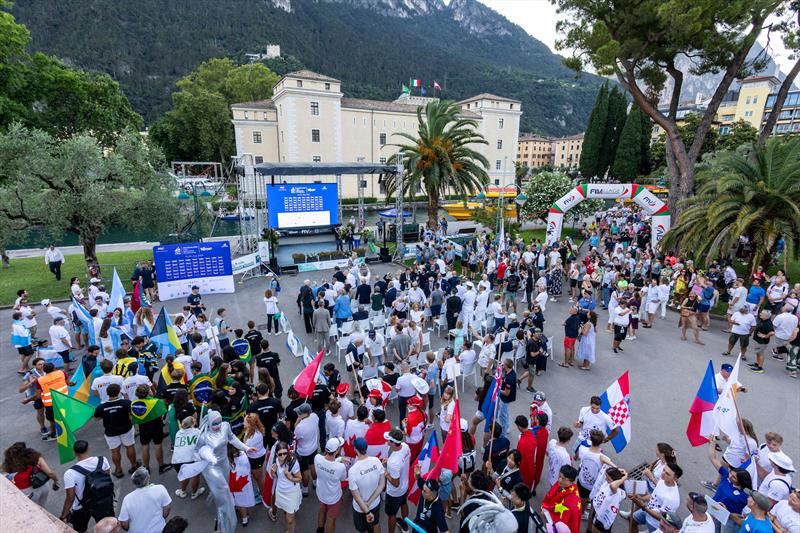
327, 86
299, 83
782, 128
314, 136
770, 100
511, 106
497, 182
382, 139
755, 99
748, 101
498, 164
257, 137
246, 115
265, 115
724, 130
381, 187
259, 159
500, 122
282, 139
727, 118
785, 115
748, 114
500, 144
316, 159
315, 108
382, 160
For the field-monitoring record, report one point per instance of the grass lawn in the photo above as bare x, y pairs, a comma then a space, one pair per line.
32, 274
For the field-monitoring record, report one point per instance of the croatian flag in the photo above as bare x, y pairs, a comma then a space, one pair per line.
616, 402
427, 457
701, 421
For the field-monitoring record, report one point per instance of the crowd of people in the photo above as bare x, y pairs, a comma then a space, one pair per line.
362, 437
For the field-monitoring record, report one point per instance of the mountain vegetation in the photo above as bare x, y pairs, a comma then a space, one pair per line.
372, 46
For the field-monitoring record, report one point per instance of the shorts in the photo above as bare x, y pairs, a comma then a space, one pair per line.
703, 308
573, 283
473, 267
569, 342
583, 492
620, 332
393, 504
306, 461
37, 404
511, 295
148, 434
79, 518
331, 511
65, 356
48, 413
743, 340
257, 463
600, 527
360, 519
126, 439
25, 351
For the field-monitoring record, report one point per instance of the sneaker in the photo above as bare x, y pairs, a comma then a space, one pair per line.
305, 492
245, 520
632, 338
726, 353
199, 493
163, 468
625, 514
181, 493
44, 431
757, 369
709, 485
777, 357
49, 437
402, 525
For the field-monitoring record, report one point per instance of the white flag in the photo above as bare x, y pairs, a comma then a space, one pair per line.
501, 245
725, 418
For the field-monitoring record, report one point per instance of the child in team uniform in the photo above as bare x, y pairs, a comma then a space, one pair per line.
607, 499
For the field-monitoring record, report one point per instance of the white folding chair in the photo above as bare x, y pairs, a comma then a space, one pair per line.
550, 348
378, 321
426, 340
440, 325
469, 370
363, 325
341, 347
368, 372
347, 328
413, 361
333, 332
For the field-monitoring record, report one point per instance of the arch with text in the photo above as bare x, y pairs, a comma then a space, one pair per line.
652, 205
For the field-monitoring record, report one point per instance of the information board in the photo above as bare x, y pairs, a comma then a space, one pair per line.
206, 264
302, 205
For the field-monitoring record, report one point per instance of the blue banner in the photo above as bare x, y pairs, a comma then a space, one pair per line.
180, 266
303, 205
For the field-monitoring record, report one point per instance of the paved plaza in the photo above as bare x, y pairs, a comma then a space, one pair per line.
664, 375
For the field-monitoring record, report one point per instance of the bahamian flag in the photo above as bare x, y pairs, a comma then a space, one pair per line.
85, 319
83, 377
147, 409
117, 298
70, 415
242, 348
201, 389
163, 334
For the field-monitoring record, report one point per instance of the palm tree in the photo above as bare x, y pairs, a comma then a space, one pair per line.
754, 194
441, 157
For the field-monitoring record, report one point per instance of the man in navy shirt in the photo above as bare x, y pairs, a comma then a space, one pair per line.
430, 512
508, 393
194, 301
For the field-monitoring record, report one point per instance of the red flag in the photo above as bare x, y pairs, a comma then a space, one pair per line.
376, 439
306, 380
436, 86
452, 449
135, 301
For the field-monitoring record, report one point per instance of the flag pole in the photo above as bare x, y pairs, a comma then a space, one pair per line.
494, 421
739, 418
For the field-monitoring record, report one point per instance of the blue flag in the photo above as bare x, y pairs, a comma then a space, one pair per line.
86, 320
117, 298
163, 334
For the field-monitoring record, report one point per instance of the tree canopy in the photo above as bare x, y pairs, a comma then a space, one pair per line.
545, 188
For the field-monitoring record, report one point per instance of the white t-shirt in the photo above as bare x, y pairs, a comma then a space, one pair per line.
497, 310
590, 466
619, 319
591, 421
142, 509
76, 480
784, 325
740, 295
776, 486
405, 385
397, 466
663, 499
306, 432
334, 425
202, 353
186, 361
741, 323
375, 346
737, 450
284, 484
271, 305
606, 504
364, 476
330, 475
445, 412
59, 338
690, 525
449, 369
541, 300
130, 383
787, 517
185, 442
256, 440
100, 384
467, 358
557, 456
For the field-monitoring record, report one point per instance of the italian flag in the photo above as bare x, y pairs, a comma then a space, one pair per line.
415, 83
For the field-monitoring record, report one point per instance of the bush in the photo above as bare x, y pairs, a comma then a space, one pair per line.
354, 201
299, 258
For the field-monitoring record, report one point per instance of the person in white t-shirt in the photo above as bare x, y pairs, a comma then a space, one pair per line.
742, 324
306, 433
100, 383
285, 472
60, 340
786, 514
592, 460
366, 480
557, 453
146, 508
334, 423
664, 498
608, 499
698, 521
776, 485
133, 380
74, 483
397, 466
592, 417
329, 471
201, 352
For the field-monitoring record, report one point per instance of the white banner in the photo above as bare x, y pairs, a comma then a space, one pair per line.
649, 201
608, 190
570, 200
170, 290
244, 263
554, 223
659, 226
324, 265
263, 251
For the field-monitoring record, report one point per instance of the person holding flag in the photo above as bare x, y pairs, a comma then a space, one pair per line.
422, 465
53, 381
701, 420
118, 428
414, 425
163, 334
147, 412
562, 503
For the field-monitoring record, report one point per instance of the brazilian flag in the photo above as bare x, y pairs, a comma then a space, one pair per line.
242, 348
146, 410
236, 418
70, 415
201, 389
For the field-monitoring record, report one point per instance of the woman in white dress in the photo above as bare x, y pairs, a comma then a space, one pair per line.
285, 472
586, 346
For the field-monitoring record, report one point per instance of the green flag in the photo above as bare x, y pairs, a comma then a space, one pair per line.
70, 415
146, 410
405, 90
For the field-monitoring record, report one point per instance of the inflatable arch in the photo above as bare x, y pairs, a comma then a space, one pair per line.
658, 210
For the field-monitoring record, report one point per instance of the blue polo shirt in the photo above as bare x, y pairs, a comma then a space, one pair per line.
732, 498
755, 294
753, 525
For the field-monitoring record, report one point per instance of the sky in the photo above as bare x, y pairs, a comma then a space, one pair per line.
539, 17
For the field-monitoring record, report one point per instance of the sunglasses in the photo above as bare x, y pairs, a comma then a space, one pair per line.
283, 454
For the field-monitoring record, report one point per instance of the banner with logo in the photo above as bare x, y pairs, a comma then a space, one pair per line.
660, 225
205, 264
647, 200
554, 222
324, 265
244, 263
608, 190
569, 200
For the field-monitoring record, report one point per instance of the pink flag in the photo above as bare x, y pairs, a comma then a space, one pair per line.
436, 86
452, 449
306, 380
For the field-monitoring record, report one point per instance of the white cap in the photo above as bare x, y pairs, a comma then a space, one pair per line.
782, 460
45, 302
333, 444
420, 385
94, 280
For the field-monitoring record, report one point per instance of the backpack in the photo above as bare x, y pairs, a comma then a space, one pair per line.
98, 489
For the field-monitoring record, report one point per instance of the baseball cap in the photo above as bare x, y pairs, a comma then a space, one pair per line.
333, 444
195, 287
58, 319
433, 485
727, 367
760, 498
45, 302
537, 330
361, 445
672, 519
420, 385
782, 460
539, 396
375, 393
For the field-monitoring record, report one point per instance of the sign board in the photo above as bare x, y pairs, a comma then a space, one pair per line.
302, 205
205, 264
324, 265
242, 264
263, 251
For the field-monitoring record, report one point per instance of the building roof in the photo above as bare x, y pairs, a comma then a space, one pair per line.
489, 96
575, 137
760, 78
391, 107
533, 137
258, 104
309, 75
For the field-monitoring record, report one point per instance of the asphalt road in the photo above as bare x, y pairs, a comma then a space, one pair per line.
664, 375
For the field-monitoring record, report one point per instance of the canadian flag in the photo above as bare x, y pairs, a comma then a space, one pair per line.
376, 439
383, 387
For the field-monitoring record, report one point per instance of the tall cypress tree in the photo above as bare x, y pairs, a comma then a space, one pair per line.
593, 138
615, 122
627, 160
645, 165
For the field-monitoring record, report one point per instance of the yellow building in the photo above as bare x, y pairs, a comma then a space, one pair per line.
567, 151
753, 95
308, 119
535, 151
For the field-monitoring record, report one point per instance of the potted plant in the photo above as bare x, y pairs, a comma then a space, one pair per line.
366, 235
299, 258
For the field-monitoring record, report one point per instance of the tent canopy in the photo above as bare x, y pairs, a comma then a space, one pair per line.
392, 213
321, 169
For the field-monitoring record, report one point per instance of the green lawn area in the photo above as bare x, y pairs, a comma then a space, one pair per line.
32, 274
